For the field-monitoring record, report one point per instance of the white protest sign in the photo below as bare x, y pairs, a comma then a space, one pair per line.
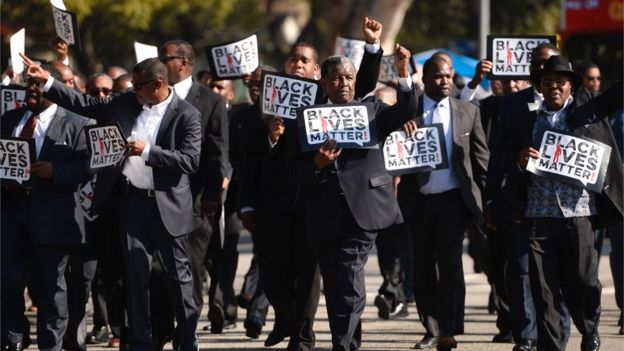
577, 161
18, 44
423, 151
16, 156
348, 124
12, 98
511, 55
58, 4
388, 72
106, 144
66, 25
144, 51
86, 199
283, 94
234, 59
353, 49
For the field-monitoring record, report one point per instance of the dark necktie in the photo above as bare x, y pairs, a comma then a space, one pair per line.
29, 127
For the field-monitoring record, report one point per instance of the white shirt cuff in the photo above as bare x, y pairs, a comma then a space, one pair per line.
247, 209
145, 153
467, 94
272, 144
6, 80
372, 48
405, 84
47, 85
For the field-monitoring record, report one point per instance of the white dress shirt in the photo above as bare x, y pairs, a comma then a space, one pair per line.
146, 129
443, 179
183, 87
43, 122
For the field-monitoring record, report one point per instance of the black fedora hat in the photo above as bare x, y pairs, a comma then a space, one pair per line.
559, 64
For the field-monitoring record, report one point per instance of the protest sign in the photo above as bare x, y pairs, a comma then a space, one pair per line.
232, 60
12, 98
424, 151
577, 161
350, 48
106, 144
85, 198
511, 54
388, 71
352, 126
144, 51
16, 156
282, 94
66, 25
17, 45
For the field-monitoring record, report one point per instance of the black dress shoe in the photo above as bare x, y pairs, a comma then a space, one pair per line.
504, 337
217, 319
20, 345
400, 310
276, 336
590, 342
446, 344
384, 306
253, 327
526, 345
98, 335
428, 342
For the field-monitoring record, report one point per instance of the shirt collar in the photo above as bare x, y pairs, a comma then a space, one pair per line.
544, 109
183, 87
161, 107
429, 103
47, 114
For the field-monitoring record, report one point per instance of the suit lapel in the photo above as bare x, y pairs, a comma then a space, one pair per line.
419, 113
54, 132
193, 94
456, 117
171, 112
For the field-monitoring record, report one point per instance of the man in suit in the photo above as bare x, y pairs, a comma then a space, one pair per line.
559, 218
55, 226
179, 57
152, 186
429, 199
349, 198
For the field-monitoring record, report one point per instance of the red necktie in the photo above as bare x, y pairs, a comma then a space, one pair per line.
29, 127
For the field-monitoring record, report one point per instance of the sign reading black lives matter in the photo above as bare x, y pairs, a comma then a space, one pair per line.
106, 144
511, 54
577, 161
16, 156
12, 98
281, 94
424, 151
352, 126
353, 49
232, 60
388, 72
66, 26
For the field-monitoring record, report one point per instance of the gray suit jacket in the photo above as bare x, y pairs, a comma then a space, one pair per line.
54, 216
470, 158
174, 156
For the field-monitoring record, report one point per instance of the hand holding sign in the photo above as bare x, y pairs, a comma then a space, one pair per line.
42, 169
372, 30
402, 58
34, 71
276, 129
483, 68
135, 147
410, 127
328, 152
523, 157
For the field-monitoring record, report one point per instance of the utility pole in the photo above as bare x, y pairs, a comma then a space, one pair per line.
484, 26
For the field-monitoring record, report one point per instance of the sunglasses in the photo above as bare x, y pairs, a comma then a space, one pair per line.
97, 91
165, 59
140, 85
549, 83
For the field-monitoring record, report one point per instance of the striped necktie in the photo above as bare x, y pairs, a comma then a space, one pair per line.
29, 127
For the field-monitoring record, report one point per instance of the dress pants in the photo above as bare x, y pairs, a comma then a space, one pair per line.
391, 252
498, 246
563, 267
144, 238
66, 272
342, 262
257, 303
439, 287
289, 275
16, 257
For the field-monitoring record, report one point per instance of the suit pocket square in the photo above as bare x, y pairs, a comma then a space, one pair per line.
466, 134
60, 143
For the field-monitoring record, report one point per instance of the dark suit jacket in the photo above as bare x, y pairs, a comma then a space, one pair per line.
360, 174
173, 158
213, 162
470, 158
590, 120
54, 217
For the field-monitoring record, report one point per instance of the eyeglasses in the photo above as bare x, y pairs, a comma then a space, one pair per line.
549, 83
140, 85
97, 91
165, 59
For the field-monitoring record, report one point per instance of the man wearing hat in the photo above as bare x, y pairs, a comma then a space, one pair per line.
559, 218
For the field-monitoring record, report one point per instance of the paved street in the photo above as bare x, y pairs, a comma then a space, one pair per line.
402, 334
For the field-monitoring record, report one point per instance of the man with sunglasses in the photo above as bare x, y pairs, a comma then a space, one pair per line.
150, 189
